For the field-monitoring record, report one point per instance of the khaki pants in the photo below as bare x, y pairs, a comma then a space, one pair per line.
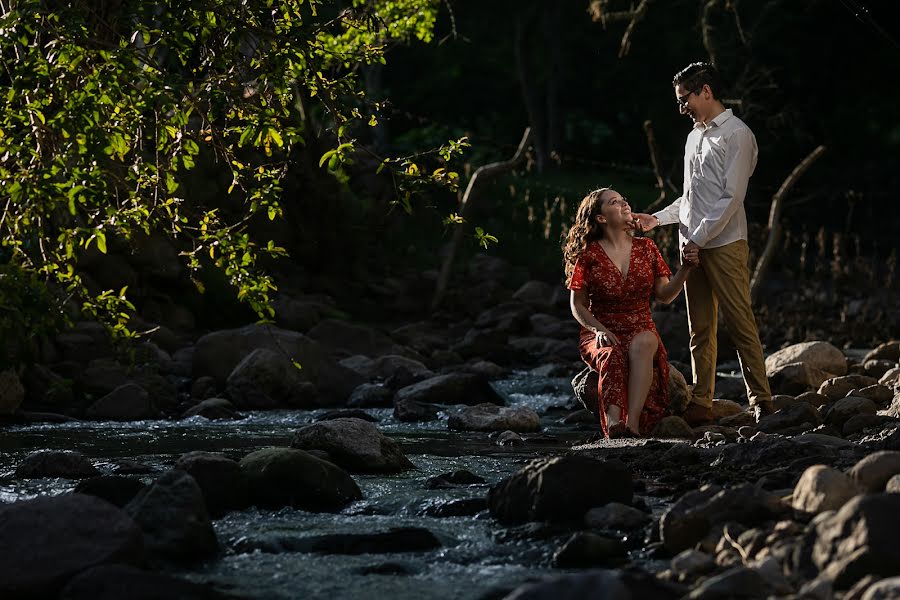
724, 280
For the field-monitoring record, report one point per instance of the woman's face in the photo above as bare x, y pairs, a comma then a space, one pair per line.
614, 209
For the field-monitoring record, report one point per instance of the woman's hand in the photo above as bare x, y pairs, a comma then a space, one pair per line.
605, 338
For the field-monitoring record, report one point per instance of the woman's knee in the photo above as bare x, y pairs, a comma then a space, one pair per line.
643, 344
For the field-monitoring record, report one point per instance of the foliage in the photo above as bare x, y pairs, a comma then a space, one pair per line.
110, 105
27, 311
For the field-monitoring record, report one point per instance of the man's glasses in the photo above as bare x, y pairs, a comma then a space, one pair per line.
683, 100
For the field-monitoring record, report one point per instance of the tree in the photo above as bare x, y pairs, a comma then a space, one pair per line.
111, 104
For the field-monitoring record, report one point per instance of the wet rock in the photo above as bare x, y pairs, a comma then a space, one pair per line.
354, 444
452, 388
221, 481
616, 515
47, 540
347, 413
823, 488
838, 387
490, 417
214, 409
796, 378
371, 395
464, 507
413, 410
585, 550
510, 438
819, 355
67, 464
172, 514
738, 583
693, 515
118, 490
115, 582
873, 471
796, 415
217, 354
398, 539
598, 584
858, 540
129, 402
461, 477
673, 427
203, 388
559, 489
267, 379
845, 408
12, 392
280, 477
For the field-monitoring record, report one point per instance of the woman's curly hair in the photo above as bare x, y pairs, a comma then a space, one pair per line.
585, 230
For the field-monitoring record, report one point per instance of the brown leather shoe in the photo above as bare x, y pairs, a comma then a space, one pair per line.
761, 409
697, 415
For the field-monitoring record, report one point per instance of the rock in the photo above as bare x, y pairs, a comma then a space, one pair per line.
822, 440
584, 385
45, 389
795, 415
220, 479
452, 388
413, 410
886, 351
580, 417
354, 444
118, 490
615, 515
597, 584
280, 477
296, 314
103, 375
823, 488
464, 507
398, 539
879, 394
858, 423
490, 370
12, 392
461, 477
819, 355
56, 463
510, 438
734, 584
490, 417
891, 379
115, 582
47, 540
559, 489
217, 354
679, 391
353, 338
585, 550
725, 408
858, 540
877, 368
731, 388
796, 378
814, 399
692, 516
267, 379
347, 413
203, 388
214, 409
673, 427
506, 318
843, 409
371, 395
172, 514
536, 293
741, 419
129, 402
873, 471
838, 387
692, 562
544, 325
886, 589
386, 367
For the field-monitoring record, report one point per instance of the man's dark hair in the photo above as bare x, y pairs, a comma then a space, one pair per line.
694, 76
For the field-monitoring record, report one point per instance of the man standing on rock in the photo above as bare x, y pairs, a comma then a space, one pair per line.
719, 157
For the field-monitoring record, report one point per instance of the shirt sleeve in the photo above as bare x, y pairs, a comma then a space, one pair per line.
660, 268
740, 159
579, 274
669, 214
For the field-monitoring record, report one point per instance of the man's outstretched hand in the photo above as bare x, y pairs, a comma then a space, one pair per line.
644, 222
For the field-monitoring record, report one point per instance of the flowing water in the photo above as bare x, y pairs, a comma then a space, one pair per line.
471, 562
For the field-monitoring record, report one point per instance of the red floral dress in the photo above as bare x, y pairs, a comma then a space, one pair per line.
622, 304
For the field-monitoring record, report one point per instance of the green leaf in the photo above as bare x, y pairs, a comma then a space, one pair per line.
101, 241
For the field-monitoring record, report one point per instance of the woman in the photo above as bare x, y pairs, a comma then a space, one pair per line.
612, 276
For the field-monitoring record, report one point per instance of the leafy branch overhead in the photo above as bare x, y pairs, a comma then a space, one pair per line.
110, 106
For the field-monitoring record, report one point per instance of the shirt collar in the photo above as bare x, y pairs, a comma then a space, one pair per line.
717, 122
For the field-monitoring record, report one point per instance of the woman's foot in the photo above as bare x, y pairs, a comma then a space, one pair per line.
616, 430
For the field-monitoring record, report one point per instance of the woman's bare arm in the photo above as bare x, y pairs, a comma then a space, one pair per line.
578, 302
666, 289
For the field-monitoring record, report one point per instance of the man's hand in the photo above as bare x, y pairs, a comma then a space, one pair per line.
690, 254
644, 222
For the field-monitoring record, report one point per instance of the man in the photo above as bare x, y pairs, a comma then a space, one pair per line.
719, 157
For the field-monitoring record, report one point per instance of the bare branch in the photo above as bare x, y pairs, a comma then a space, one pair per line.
636, 16
654, 160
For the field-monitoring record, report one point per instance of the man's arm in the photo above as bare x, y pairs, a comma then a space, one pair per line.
665, 216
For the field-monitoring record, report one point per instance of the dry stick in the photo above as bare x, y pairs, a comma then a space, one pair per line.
775, 220
484, 172
637, 15
654, 160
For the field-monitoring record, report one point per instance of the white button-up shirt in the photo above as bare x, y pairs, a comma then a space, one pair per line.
719, 159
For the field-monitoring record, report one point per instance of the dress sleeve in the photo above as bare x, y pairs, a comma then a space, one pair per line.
579, 273
660, 268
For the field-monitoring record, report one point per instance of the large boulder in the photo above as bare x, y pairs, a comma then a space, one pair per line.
351, 338
559, 489
452, 388
823, 488
172, 514
115, 582
490, 417
353, 444
838, 387
267, 379
47, 540
279, 477
128, 402
796, 414
56, 463
872, 472
795, 378
823, 356
221, 481
12, 392
217, 354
